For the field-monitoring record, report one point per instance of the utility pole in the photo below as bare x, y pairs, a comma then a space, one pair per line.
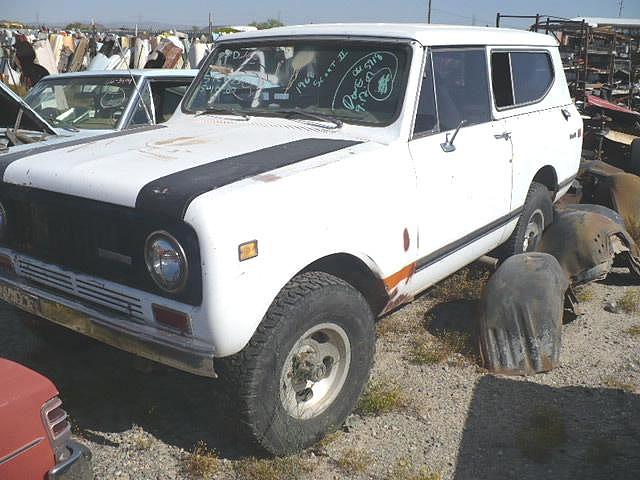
210, 29
429, 13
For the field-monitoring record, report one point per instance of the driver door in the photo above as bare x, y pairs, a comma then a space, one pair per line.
464, 193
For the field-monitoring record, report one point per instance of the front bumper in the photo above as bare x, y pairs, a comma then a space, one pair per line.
76, 467
108, 326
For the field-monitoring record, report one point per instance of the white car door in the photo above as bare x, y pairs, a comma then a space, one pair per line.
464, 190
533, 101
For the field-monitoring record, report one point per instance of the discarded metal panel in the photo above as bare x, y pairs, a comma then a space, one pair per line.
620, 137
623, 190
172, 54
57, 42
197, 53
521, 315
598, 167
602, 103
140, 53
45, 56
585, 239
79, 54
65, 59
69, 42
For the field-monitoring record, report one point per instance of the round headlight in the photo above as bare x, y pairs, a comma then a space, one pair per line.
166, 261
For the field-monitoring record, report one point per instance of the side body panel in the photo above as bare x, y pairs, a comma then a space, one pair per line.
540, 133
363, 205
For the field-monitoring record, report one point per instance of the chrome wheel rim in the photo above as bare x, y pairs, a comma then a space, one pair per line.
533, 232
315, 370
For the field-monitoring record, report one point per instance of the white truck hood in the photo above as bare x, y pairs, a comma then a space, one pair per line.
115, 168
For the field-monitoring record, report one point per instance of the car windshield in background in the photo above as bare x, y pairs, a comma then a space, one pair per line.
356, 82
92, 103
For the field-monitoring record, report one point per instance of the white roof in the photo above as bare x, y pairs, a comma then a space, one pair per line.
148, 72
615, 22
424, 33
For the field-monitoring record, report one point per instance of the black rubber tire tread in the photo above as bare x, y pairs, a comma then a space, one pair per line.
240, 372
537, 197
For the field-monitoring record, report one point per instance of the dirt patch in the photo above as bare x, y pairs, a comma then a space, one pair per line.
425, 421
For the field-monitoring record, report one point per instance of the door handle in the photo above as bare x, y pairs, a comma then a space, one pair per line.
566, 114
503, 135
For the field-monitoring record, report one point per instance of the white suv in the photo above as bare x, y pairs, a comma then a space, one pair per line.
315, 178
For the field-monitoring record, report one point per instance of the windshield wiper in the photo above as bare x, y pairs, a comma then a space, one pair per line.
304, 113
223, 110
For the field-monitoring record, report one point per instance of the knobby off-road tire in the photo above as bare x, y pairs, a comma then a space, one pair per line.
318, 327
536, 216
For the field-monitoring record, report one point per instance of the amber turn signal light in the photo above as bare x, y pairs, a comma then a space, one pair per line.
248, 250
171, 318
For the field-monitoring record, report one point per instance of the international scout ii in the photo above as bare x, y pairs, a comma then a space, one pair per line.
314, 178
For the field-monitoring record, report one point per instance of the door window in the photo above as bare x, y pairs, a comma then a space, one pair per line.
520, 78
167, 96
462, 88
426, 113
143, 114
501, 79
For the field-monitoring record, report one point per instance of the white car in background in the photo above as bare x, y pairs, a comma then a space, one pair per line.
314, 178
96, 104
109, 100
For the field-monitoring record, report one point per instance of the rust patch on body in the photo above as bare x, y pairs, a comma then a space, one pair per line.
406, 240
396, 300
267, 177
405, 274
181, 141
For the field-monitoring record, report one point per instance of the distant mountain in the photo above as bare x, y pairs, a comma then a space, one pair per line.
128, 24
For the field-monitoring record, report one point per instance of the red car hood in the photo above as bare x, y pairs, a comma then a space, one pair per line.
22, 394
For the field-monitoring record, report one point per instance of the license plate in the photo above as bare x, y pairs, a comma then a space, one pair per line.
20, 299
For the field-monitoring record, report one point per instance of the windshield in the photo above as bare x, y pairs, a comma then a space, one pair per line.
356, 82
90, 102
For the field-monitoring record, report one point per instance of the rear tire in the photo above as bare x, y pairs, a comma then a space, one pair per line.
536, 216
306, 365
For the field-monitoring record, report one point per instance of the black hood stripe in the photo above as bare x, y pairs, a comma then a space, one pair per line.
9, 158
172, 194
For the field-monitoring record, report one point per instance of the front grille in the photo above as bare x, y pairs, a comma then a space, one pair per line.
74, 233
85, 289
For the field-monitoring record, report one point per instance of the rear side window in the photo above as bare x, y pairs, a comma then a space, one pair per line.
520, 78
462, 87
532, 75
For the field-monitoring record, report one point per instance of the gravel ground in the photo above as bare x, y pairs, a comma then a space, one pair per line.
455, 421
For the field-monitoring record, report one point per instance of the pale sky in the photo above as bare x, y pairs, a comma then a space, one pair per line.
195, 12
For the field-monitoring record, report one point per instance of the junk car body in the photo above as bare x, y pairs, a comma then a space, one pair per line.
36, 434
314, 178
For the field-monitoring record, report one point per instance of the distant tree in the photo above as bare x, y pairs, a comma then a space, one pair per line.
226, 30
270, 23
78, 26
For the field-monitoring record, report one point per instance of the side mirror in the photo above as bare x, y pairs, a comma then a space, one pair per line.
448, 145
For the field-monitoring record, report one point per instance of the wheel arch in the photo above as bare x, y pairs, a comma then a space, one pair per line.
548, 177
359, 273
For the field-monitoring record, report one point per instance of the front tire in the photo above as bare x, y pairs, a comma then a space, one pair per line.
306, 365
536, 216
